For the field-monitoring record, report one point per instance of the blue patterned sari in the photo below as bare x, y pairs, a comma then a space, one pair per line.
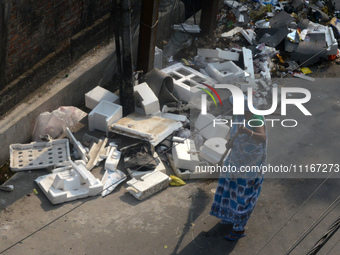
237, 193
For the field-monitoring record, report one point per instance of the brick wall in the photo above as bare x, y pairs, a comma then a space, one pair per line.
38, 27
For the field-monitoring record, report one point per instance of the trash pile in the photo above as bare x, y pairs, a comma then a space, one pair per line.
171, 123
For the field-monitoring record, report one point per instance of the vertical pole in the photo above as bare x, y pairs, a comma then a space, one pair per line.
147, 35
5, 13
208, 16
117, 22
126, 86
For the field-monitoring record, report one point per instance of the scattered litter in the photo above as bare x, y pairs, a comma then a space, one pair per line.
302, 76
111, 179
81, 152
306, 70
54, 123
176, 181
7, 188
95, 152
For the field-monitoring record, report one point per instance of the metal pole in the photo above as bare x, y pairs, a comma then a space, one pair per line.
126, 86
208, 16
147, 35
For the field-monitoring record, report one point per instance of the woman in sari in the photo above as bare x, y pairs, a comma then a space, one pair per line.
237, 192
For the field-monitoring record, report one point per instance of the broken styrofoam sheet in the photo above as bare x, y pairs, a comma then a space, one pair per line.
302, 76
95, 152
111, 179
249, 35
202, 171
226, 72
184, 154
222, 54
148, 185
138, 174
232, 32
113, 158
187, 28
158, 58
175, 117
39, 155
248, 62
146, 98
205, 127
81, 152
187, 81
98, 94
69, 185
148, 128
213, 150
104, 115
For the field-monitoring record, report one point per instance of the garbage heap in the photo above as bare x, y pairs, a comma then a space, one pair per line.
174, 120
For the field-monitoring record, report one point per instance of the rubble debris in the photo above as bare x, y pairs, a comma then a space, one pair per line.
302, 76
145, 98
139, 157
39, 155
111, 179
148, 185
153, 129
104, 115
70, 184
232, 32
95, 152
98, 94
79, 148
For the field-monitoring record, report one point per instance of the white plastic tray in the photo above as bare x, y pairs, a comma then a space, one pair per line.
38, 155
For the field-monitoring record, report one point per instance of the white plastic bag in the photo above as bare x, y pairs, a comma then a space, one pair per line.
55, 123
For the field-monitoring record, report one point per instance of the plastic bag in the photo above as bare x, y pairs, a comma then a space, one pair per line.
55, 123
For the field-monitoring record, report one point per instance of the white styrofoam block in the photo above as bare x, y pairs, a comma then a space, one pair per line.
332, 43
39, 155
158, 59
226, 72
138, 174
202, 171
172, 116
213, 150
113, 158
185, 155
147, 98
205, 126
187, 81
223, 54
104, 115
69, 185
77, 145
248, 62
98, 94
148, 184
